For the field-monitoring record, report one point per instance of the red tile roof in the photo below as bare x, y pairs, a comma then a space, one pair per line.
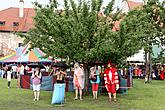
11, 15
133, 5
116, 26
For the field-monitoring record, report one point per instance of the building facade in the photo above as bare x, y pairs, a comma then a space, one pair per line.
13, 20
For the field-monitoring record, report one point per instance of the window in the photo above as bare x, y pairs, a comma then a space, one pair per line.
15, 23
2, 23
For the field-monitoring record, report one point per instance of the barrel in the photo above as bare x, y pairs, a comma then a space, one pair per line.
58, 94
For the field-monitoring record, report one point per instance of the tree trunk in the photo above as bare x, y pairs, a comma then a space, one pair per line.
150, 68
148, 65
86, 86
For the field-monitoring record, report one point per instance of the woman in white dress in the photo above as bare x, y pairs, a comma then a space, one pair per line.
78, 80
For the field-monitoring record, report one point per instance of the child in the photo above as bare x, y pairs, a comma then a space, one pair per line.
9, 72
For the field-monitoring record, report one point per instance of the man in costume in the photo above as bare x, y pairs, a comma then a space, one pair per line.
111, 81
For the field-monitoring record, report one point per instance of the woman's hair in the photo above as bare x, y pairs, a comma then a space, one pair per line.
9, 68
57, 70
76, 64
39, 71
92, 68
98, 67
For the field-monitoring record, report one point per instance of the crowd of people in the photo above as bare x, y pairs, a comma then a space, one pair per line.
139, 71
158, 72
110, 77
12, 71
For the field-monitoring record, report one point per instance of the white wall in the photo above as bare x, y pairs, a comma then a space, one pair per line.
10, 39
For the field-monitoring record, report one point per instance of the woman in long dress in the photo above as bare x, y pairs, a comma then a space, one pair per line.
78, 80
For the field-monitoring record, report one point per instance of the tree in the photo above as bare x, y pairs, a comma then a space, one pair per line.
75, 32
147, 26
80, 32
159, 59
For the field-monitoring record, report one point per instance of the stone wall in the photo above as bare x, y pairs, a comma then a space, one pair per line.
10, 41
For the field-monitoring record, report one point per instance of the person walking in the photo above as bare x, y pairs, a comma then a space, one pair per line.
78, 80
95, 79
9, 72
36, 76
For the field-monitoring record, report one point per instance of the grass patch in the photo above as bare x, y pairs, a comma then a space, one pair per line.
140, 97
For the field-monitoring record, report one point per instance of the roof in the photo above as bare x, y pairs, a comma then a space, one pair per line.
11, 15
116, 26
133, 5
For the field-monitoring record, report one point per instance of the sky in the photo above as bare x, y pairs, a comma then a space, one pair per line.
28, 3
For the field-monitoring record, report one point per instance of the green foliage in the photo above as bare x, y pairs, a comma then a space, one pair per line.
80, 32
146, 25
71, 32
160, 58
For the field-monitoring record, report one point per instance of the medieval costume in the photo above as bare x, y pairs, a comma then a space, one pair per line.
111, 81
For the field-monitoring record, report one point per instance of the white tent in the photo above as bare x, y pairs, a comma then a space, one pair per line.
137, 57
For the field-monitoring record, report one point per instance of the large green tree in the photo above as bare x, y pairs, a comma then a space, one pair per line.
80, 32
75, 32
146, 25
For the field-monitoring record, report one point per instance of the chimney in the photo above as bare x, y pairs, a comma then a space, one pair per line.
21, 11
